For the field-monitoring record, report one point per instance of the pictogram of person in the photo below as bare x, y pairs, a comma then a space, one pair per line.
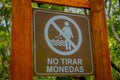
68, 33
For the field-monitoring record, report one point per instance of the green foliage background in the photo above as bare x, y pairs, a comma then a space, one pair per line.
5, 37
5, 12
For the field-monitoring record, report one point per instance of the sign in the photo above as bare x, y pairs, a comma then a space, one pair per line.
62, 43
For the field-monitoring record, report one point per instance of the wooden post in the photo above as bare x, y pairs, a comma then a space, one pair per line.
102, 67
21, 57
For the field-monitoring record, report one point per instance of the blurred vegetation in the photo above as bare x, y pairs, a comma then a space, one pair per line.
113, 22
5, 13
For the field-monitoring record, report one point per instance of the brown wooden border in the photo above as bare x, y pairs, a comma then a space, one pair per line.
21, 57
75, 3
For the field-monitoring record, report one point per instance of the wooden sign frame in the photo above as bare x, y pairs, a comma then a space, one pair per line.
21, 57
